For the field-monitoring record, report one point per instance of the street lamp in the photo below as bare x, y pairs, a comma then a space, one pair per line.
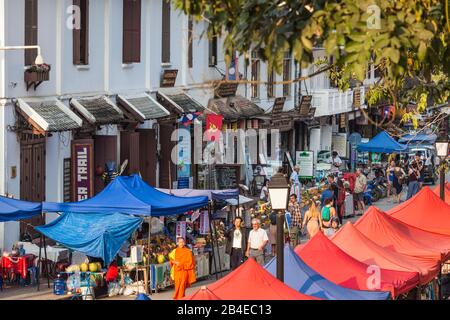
442, 152
279, 193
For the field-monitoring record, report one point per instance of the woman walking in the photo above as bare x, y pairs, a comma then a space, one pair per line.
390, 174
328, 212
313, 220
399, 175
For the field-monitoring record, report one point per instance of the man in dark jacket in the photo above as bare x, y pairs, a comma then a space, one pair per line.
237, 239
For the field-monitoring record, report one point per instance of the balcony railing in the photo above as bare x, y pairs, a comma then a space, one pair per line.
332, 101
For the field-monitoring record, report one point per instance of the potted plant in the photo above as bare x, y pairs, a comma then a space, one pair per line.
37, 73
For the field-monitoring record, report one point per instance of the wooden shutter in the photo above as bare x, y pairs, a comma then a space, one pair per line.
147, 155
129, 149
165, 133
105, 149
165, 49
131, 47
81, 36
31, 30
212, 52
190, 40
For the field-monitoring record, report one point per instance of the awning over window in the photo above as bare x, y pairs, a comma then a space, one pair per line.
48, 115
179, 100
142, 106
98, 110
236, 107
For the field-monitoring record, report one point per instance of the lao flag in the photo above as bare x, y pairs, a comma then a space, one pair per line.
213, 127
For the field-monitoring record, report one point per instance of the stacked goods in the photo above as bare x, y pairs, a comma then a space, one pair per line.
159, 249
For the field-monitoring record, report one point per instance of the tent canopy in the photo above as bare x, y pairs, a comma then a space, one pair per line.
418, 138
425, 211
251, 282
382, 143
334, 264
13, 209
203, 294
370, 253
131, 195
299, 276
437, 191
398, 236
95, 234
211, 194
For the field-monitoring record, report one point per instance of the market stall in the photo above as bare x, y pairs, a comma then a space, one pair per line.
382, 143
298, 275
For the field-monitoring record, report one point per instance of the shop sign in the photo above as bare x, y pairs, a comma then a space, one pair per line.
184, 158
356, 97
169, 78
282, 124
225, 89
204, 223
181, 229
305, 159
342, 120
305, 105
82, 169
375, 158
339, 144
278, 105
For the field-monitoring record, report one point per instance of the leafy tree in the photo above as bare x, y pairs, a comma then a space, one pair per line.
407, 40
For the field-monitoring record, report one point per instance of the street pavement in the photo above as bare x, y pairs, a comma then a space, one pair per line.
30, 293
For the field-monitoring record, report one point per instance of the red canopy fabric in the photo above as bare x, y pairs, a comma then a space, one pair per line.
331, 262
203, 294
425, 211
437, 191
391, 233
252, 282
370, 253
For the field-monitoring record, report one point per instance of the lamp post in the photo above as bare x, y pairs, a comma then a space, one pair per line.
279, 192
442, 152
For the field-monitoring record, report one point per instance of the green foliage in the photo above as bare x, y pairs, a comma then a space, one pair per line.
412, 41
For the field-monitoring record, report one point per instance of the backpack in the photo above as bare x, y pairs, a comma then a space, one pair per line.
326, 213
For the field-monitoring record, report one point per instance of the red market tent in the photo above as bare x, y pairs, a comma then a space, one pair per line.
437, 191
203, 294
425, 211
370, 253
331, 262
398, 236
252, 282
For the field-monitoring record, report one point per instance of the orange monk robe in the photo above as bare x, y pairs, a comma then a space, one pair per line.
184, 273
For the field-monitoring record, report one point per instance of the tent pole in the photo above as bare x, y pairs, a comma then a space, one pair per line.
38, 273
217, 247
46, 262
440, 282
148, 248
212, 241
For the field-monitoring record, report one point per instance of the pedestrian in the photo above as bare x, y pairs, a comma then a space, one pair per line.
360, 187
414, 175
334, 227
184, 268
257, 240
236, 244
390, 180
422, 169
295, 182
264, 195
296, 218
273, 231
328, 212
336, 162
327, 193
399, 175
313, 220
340, 200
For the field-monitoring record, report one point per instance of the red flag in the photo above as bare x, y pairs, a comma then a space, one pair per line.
213, 126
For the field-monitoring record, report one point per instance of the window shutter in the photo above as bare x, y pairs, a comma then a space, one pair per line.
165, 49
76, 39
131, 31
31, 29
212, 51
81, 36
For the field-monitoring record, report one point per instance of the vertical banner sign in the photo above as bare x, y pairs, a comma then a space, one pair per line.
181, 229
305, 159
204, 223
184, 158
82, 169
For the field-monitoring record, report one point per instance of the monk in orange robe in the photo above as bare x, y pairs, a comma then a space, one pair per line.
184, 269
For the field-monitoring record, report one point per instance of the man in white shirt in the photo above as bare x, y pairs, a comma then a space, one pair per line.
257, 240
336, 162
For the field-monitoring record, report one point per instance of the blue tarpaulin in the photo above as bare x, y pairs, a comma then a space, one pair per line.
418, 138
211, 194
98, 235
382, 143
13, 209
299, 276
131, 195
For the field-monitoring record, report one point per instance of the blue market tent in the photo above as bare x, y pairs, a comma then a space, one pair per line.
95, 234
382, 143
13, 209
211, 194
131, 195
299, 276
418, 138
